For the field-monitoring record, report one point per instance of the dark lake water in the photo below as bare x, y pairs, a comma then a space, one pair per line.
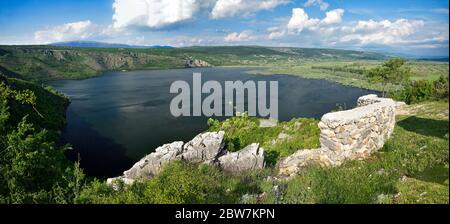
117, 118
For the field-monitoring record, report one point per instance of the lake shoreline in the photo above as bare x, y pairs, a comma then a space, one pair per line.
115, 115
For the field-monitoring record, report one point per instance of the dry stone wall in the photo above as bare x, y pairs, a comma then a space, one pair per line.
349, 134
359, 131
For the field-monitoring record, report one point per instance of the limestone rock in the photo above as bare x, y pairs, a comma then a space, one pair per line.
249, 158
114, 182
267, 123
151, 164
195, 63
205, 147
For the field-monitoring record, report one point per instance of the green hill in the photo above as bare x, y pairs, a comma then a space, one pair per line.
40, 63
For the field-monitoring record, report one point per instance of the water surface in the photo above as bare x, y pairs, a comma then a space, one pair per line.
117, 118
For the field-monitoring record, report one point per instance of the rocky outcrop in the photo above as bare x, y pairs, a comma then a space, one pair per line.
196, 63
350, 134
249, 158
205, 148
152, 164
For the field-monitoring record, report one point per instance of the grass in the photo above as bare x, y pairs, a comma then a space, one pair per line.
278, 142
351, 72
412, 167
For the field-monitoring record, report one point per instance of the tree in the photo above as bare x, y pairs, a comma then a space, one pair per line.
33, 168
392, 71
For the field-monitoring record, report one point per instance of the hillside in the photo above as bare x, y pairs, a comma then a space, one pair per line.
95, 44
53, 62
50, 108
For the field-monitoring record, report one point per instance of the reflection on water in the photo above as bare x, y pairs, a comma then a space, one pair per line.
117, 118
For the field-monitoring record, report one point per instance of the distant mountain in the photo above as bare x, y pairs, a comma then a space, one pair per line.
95, 44
444, 59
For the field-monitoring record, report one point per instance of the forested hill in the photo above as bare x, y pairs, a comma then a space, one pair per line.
40, 63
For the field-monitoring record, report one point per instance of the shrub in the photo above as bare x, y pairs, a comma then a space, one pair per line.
415, 92
441, 88
240, 131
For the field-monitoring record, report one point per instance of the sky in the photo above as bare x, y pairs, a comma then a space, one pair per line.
409, 27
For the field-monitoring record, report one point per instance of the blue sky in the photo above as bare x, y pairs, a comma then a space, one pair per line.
413, 27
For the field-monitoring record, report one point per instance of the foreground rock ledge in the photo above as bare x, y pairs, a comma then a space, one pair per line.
205, 148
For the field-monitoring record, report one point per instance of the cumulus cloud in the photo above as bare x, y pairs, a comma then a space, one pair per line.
333, 16
69, 31
321, 4
300, 20
332, 31
154, 13
157, 14
229, 8
245, 35
381, 32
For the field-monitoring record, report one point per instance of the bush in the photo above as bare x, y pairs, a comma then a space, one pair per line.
178, 183
418, 91
423, 90
441, 88
33, 168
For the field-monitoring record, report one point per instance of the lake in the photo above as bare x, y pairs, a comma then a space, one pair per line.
117, 118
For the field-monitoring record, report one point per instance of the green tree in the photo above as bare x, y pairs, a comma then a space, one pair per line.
392, 71
33, 168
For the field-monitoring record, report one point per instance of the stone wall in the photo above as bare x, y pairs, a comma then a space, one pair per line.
349, 134
359, 131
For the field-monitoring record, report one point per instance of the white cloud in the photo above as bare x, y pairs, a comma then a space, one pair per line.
276, 33
384, 34
230, 8
156, 14
245, 35
322, 5
300, 20
69, 31
381, 32
333, 16
440, 10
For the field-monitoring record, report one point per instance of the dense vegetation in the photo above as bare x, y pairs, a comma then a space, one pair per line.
33, 168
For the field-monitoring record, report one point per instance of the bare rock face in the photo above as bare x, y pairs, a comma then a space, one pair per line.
294, 163
249, 158
205, 147
196, 63
151, 165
